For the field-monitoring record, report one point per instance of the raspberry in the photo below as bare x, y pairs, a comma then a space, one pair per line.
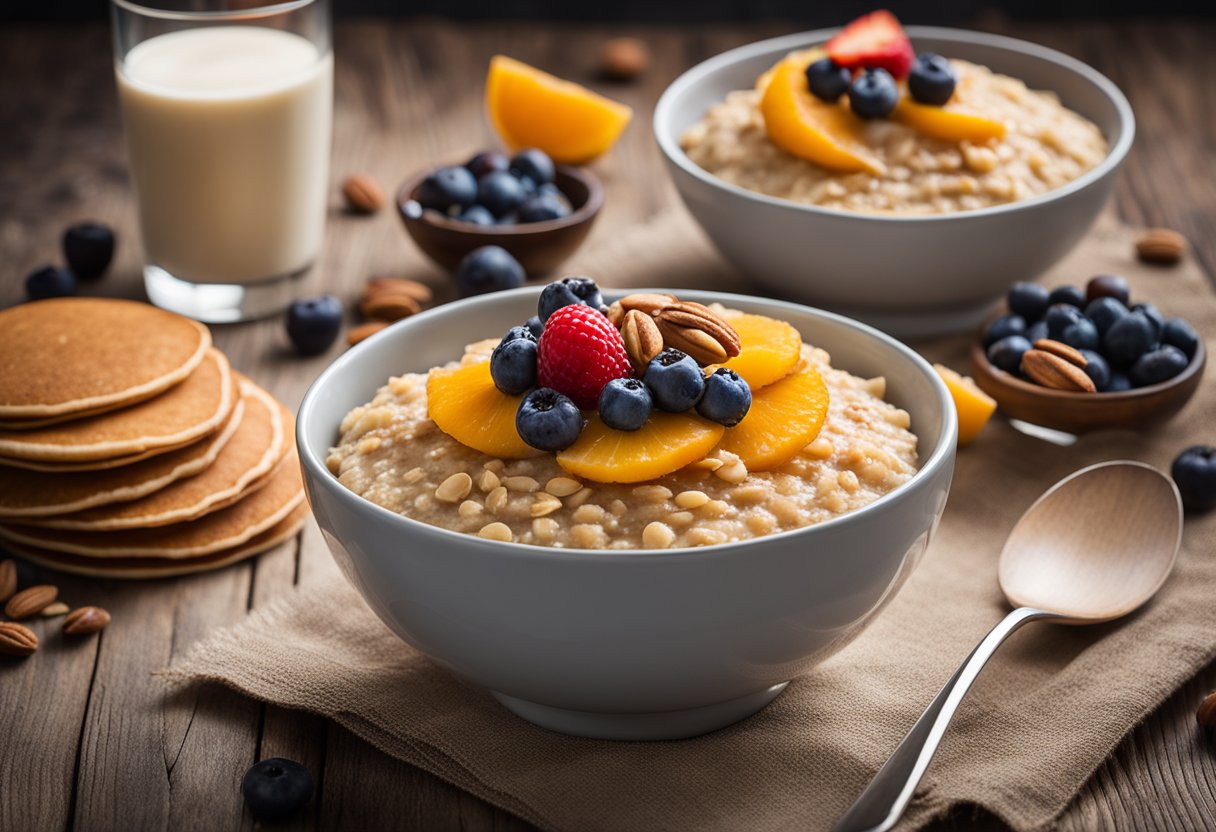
579, 352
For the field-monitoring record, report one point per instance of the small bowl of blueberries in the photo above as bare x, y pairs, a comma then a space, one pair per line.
1078, 359
537, 211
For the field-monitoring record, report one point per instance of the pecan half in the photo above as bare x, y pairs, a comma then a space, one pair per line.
30, 601
8, 579
17, 639
85, 621
1050, 370
648, 302
1161, 246
363, 194
696, 330
643, 341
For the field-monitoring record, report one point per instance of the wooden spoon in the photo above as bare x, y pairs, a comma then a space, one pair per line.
1094, 547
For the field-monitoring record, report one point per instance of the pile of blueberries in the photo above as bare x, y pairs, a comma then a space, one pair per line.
874, 92
491, 189
1126, 345
673, 381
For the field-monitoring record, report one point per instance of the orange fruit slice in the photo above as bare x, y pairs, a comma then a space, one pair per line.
974, 406
531, 108
769, 350
666, 443
957, 120
466, 405
785, 417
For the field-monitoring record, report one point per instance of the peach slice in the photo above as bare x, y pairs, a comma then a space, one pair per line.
666, 443
785, 417
958, 120
466, 405
974, 406
769, 350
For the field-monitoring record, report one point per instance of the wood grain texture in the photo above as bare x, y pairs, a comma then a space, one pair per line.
89, 740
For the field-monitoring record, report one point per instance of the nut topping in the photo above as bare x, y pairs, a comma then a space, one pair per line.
648, 302
16, 639
643, 341
1050, 370
30, 601
696, 330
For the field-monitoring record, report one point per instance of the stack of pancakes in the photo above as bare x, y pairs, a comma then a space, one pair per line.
130, 448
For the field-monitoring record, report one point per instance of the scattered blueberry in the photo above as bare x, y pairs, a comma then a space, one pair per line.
1097, 369
727, 398
1006, 354
501, 192
1154, 316
1081, 334
567, 291
1060, 315
1107, 286
1127, 339
674, 380
513, 363
88, 247
1194, 472
276, 788
1119, 383
534, 165
477, 215
1067, 294
314, 323
1178, 333
542, 207
487, 161
931, 80
828, 80
535, 326
1003, 327
1036, 331
873, 94
548, 421
1030, 300
488, 269
625, 404
1162, 364
1104, 311
50, 282
449, 186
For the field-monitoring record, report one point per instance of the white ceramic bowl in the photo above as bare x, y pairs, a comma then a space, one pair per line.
910, 275
626, 644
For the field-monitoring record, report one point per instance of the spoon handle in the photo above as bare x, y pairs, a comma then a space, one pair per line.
883, 802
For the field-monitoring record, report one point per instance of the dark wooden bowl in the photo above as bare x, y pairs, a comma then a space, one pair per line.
1080, 412
540, 247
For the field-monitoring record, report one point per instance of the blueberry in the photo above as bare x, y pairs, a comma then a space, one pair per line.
828, 80
1060, 315
542, 207
1154, 317
873, 94
1097, 369
88, 247
1119, 383
1081, 334
516, 333
548, 421
1107, 286
1006, 354
276, 788
551, 189
50, 282
1104, 311
314, 323
477, 215
625, 404
727, 398
449, 186
501, 192
1194, 472
1036, 331
1067, 294
1162, 364
535, 326
533, 164
1127, 339
1003, 327
509, 218
513, 364
568, 291
488, 269
1178, 333
1030, 300
931, 80
674, 380
487, 161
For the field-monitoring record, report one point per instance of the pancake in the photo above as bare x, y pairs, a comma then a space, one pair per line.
184, 413
224, 529
133, 568
244, 464
96, 464
69, 356
29, 494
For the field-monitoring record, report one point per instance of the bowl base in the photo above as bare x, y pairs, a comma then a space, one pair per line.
663, 725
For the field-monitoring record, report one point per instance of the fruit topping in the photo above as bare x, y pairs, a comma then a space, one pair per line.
534, 165
1030, 300
548, 421
1178, 333
50, 282
452, 185
675, 381
488, 269
784, 418
88, 247
956, 121
501, 192
873, 41
1003, 327
932, 79
513, 363
827, 80
568, 291
535, 326
873, 94
530, 108
1108, 286
487, 161
1194, 472
769, 349
276, 788
314, 323
625, 404
466, 405
726, 399
973, 405
1158, 365
579, 352
666, 443
1006, 354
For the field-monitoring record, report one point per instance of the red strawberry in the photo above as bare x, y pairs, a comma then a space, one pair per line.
579, 352
873, 41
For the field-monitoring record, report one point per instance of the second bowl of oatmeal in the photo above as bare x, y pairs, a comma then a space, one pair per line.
572, 615
929, 245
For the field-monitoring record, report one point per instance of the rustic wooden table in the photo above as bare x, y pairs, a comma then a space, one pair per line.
89, 740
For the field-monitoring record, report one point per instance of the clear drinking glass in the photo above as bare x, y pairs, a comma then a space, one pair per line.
227, 107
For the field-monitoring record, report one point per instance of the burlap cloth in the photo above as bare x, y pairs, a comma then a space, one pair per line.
1046, 711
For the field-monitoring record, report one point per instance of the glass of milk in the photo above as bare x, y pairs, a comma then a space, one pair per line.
228, 111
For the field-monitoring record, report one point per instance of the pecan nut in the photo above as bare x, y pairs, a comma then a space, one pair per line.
1161, 246
1058, 348
17, 639
30, 601
1050, 370
8, 579
698, 331
648, 302
363, 194
85, 621
398, 286
642, 338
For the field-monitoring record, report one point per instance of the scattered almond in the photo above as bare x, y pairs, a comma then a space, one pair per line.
30, 601
364, 331
399, 286
642, 338
85, 621
1206, 715
8, 579
55, 609
363, 194
1050, 370
1162, 246
624, 59
17, 640
389, 307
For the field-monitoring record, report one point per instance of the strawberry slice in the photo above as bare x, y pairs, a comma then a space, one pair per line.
873, 41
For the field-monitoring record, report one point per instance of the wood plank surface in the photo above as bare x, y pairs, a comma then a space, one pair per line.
90, 740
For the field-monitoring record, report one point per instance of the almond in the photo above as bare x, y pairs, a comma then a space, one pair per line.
54, 610
1069, 354
17, 640
623, 59
616, 314
363, 194
383, 306
85, 621
30, 601
1161, 246
1052, 371
363, 332
643, 341
399, 286
8, 579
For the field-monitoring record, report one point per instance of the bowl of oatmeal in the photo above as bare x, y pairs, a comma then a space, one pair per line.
640, 608
925, 238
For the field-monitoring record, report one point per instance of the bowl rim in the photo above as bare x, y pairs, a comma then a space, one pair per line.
670, 147
584, 213
937, 458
